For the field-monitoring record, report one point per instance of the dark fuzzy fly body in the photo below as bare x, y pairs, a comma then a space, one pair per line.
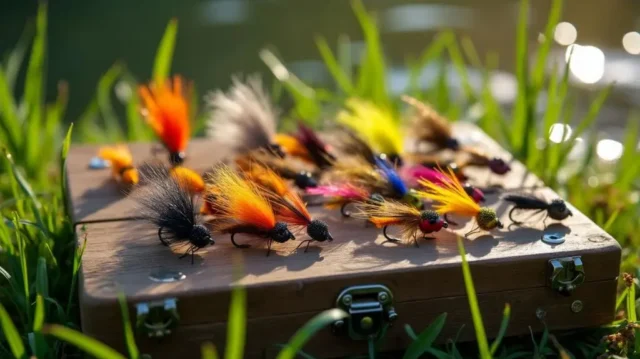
556, 209
526, 202
167, 203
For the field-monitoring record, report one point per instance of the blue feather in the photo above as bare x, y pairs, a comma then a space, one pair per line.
392, 176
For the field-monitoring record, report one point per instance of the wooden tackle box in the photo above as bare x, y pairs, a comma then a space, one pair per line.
289, 287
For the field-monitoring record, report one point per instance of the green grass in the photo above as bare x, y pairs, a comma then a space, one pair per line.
40, 261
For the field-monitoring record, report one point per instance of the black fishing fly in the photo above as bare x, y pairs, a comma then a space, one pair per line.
556, 209
166, 202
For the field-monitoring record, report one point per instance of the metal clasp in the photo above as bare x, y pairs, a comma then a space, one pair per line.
370, 308
566, 274
157, 319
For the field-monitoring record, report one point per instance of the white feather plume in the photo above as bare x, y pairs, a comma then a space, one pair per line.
243, 118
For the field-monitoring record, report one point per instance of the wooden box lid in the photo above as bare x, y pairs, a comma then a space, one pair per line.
290, 286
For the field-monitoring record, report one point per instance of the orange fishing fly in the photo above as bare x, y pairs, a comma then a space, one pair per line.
166, 110
450, 197
242, 208
288, 205
189, 178
121, 162
411, 220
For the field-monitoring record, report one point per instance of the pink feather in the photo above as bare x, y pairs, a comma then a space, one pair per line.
414, 173
345, 191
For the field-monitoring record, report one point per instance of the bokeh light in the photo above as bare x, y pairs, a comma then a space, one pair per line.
631, 42
565, 33
559, 132
587, 62
609, 150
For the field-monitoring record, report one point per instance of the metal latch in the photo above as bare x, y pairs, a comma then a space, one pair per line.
157, 319
566, 274
370, 309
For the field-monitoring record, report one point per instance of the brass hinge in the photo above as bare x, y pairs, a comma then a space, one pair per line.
370, 309
157, 319
566, 274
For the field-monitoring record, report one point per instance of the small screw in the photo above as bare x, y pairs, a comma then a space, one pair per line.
392, 315
366, 323
577, 306
338, 324
382, 297
347, 299
541, 313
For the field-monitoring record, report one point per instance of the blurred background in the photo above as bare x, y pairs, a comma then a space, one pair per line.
221, 37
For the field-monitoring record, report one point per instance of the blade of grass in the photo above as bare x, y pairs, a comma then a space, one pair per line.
33, 95
631, 305
627, 170
521, 112
17, 55
506, 314
38, 321
611, 220
461, 69
209, 351
426, 338
587, 122
64, 152
621, 297
543, 50
42, 278
372, 82
85, 343
105, 87
10, 122
236, 329
481, 336
24, 270
305, 333
164, 54
330, 61
129, 339
11, 334
77, 260
344, 57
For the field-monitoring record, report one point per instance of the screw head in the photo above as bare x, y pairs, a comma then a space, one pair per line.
366, 323
382, 297
338, 324
541, 313
347, 299
392, 315
577, 306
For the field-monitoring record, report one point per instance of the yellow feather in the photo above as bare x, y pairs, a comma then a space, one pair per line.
449, 196
376, 125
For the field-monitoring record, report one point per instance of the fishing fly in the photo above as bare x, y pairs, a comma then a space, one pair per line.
287, 204
419, 172
300, 176
377, 126
450, 197
556, 209
166, 110
342, 195
190, 179
166, 202
411, 220
429, 126
121, 163
243, 119
241, 207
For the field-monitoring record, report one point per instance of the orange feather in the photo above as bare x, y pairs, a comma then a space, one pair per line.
287, 203
166, 110
292, 146
121, 162
190, 178
240, 201
449, 197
